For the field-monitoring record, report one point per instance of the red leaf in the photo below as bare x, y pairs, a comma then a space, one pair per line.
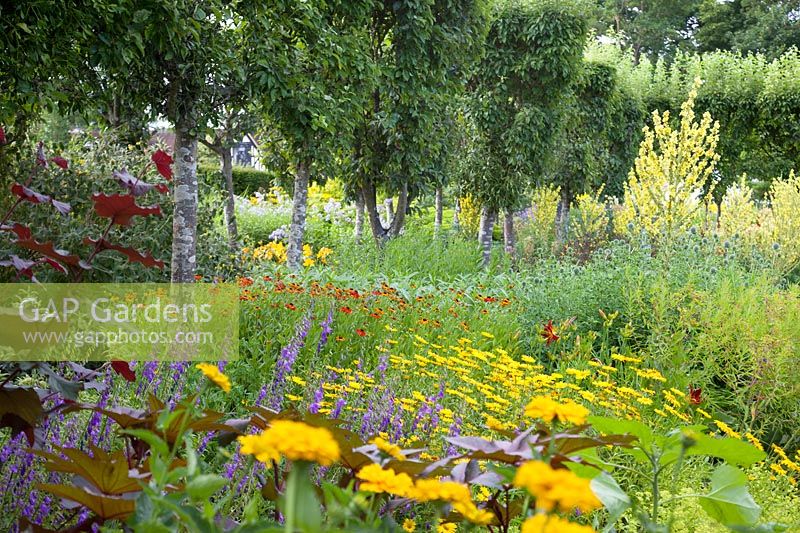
56, 265
60, 161
134, 256
3, 139
48, 249
121, 207
163, 161
136, 186
22, 232
29, 195
21, 410
123, 368
23, 266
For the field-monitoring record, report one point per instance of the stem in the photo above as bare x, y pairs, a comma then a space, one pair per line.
654, 461
96, 249
291, 498
10, 210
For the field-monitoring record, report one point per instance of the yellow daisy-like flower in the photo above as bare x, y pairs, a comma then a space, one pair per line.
542, 523
547, 409
409, 526
446, 527
392, 450
726, 429
375, 479
555, 489
296, 441
218, 378
427, 490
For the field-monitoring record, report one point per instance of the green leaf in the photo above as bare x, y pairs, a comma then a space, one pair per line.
614, 499
732, 450
729, 502
608, 426
203, 486
157, 444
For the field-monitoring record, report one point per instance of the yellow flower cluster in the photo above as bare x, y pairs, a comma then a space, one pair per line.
591, 217
392, 450
547, 409
218, 378
543, 523
669, 181
276, 251
555, 489
457, 494
272, 251
374, 478
295, 441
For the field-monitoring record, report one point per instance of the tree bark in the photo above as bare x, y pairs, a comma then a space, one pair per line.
437, 220
562, 217
509, 237
371, 205
358, 230
184, 222
399, 218
388, 207
294, 252
456, 214
485, 234
230, 202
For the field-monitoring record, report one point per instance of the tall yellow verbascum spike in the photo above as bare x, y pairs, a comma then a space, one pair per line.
671, 177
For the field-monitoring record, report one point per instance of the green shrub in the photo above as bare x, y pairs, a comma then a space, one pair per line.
245, 179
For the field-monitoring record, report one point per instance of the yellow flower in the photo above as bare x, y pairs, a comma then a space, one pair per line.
426, 490
487, 335
376, 479
542, 523
555, 489
726, 429
547, 409
446, 527
296, 441
218, 378
308, 262
393, 450
323, 254
409, 526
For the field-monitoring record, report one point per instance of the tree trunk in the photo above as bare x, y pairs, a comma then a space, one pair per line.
230, 203
371, 206
509, 238
294, 253
456, 214
358, 230
379, 231
184, 222
485, 234
388, 207
562, 217
437, 220
399, 217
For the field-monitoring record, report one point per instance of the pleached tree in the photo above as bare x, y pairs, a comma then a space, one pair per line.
532, 53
